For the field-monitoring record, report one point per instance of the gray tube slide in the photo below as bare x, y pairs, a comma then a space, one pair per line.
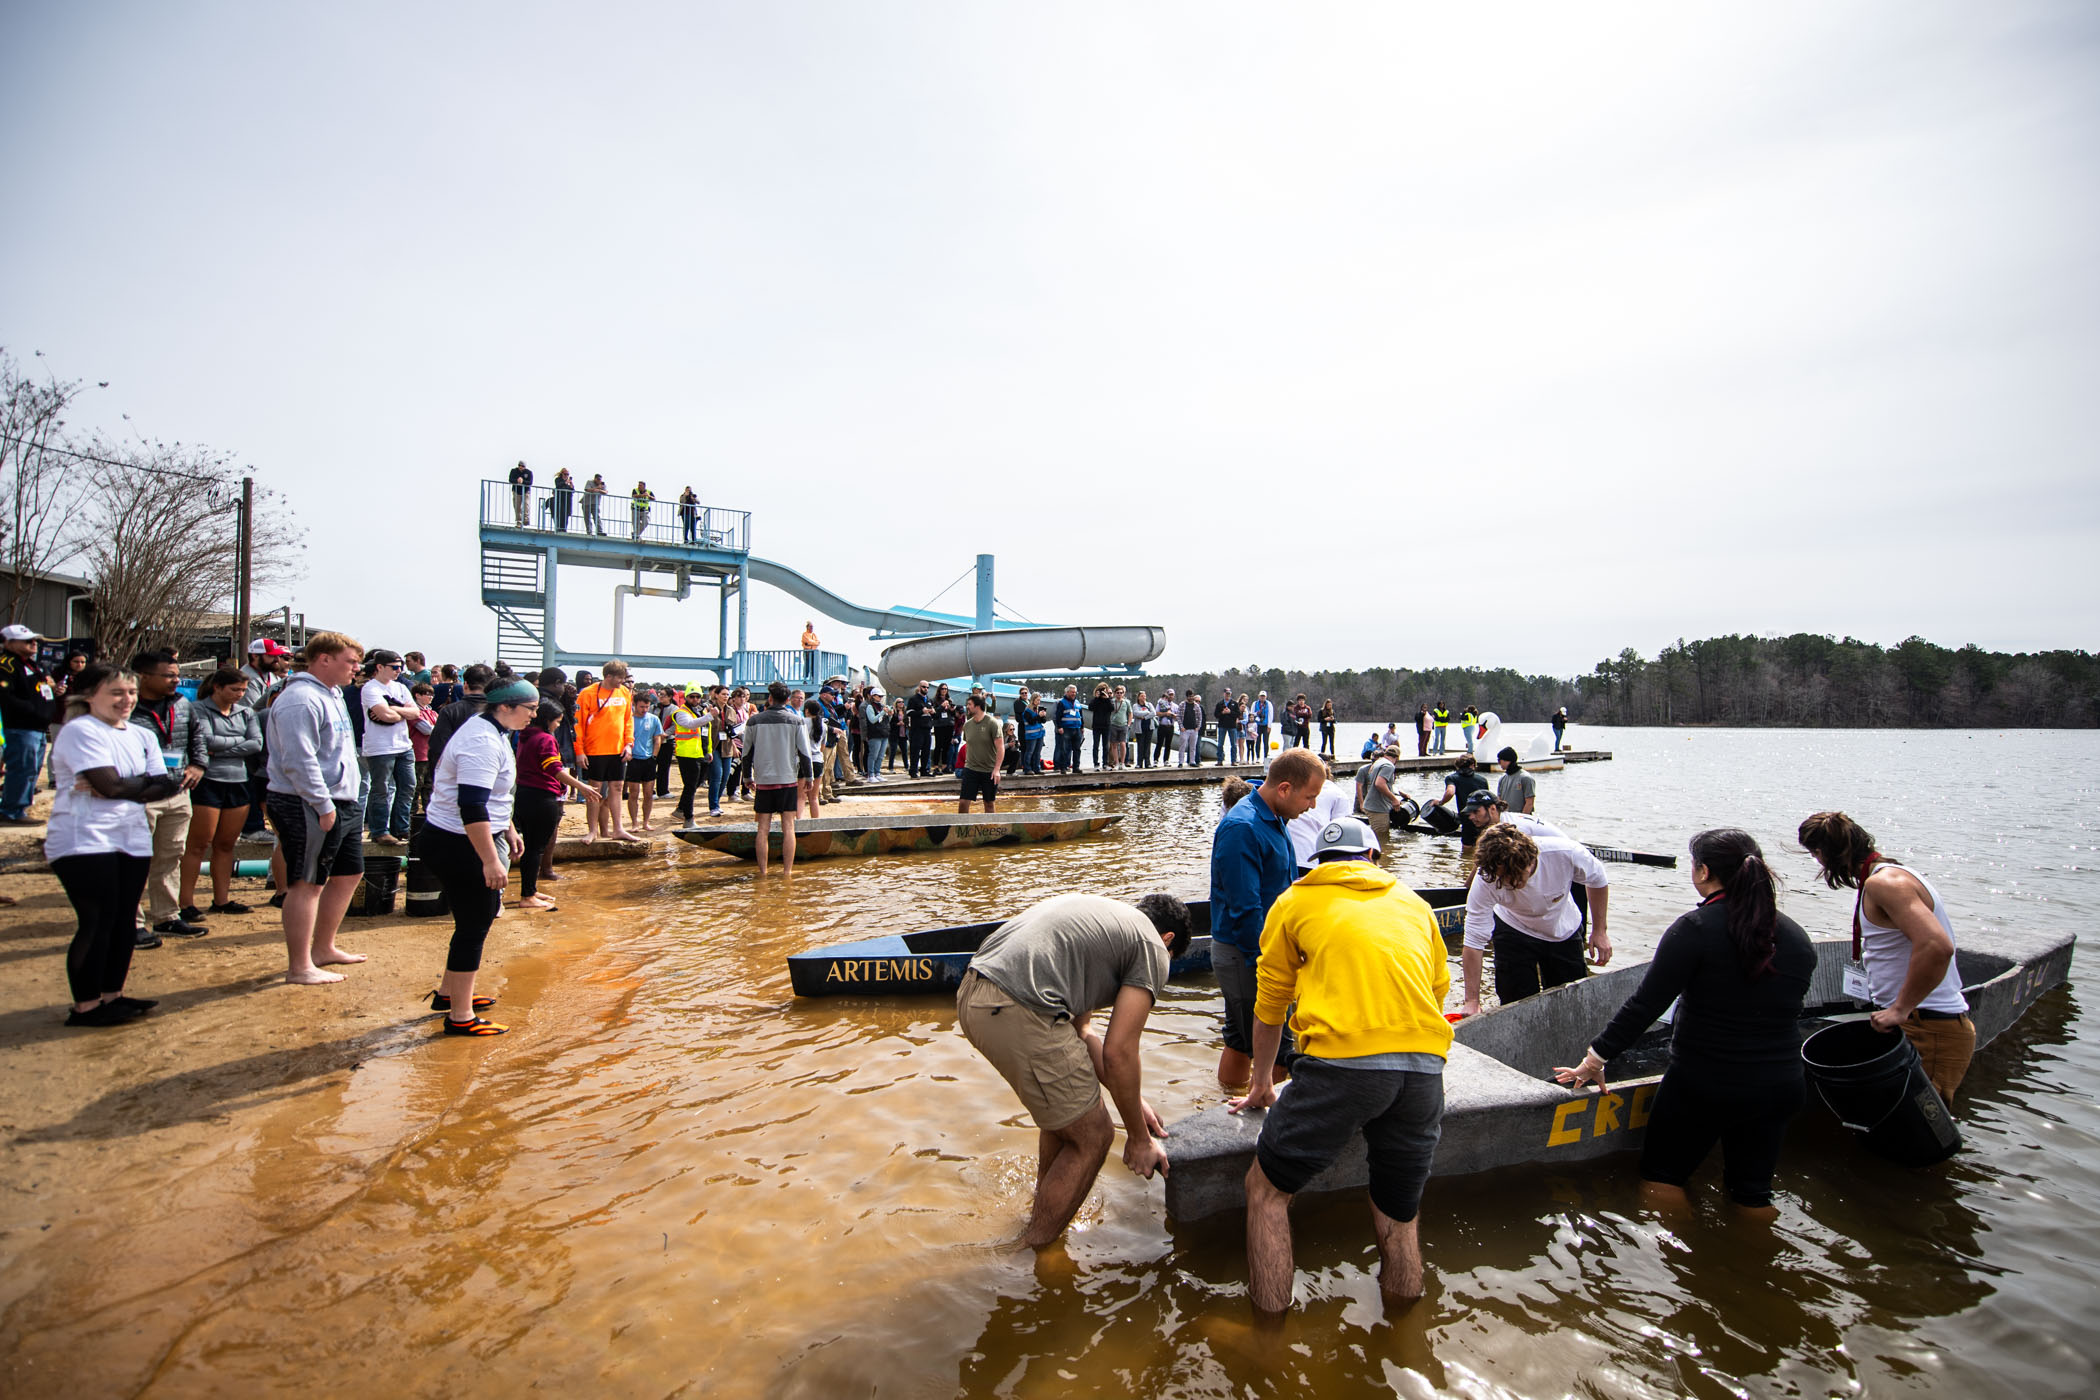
801, 588
1016, 651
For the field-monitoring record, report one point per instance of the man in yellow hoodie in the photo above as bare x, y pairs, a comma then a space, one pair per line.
1360, 954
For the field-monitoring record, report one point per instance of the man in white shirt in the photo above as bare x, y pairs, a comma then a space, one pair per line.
1531, 898
388, 751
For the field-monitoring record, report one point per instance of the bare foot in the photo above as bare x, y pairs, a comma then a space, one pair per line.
332, 956
536, 901
312, 977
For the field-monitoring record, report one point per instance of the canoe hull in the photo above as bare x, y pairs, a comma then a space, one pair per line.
910, 964
876, 837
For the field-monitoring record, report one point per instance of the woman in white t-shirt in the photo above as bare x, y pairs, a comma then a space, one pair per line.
469, 841
104, 769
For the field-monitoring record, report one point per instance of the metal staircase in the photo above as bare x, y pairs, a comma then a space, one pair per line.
513, 587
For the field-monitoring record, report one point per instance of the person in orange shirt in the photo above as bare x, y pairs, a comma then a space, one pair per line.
604, 733
809, 653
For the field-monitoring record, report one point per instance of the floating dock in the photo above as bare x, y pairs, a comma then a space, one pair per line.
894, 833
1196, 775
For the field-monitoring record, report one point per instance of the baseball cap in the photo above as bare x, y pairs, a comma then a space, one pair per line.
263, 646
1346, 835
16, 632
1480, 799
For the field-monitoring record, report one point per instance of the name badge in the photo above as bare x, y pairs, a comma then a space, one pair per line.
1856, 982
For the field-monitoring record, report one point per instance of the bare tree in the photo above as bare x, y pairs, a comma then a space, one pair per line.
162, 543
41, 485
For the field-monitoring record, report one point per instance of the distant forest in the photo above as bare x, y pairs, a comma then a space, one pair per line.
1804, 680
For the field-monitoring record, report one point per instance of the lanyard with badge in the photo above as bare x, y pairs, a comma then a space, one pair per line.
1856, 986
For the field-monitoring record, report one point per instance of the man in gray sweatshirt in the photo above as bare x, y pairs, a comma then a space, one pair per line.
313, 803
773, 747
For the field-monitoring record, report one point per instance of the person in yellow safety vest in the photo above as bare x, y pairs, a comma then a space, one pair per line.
1442, 715
1466, 721
691, 745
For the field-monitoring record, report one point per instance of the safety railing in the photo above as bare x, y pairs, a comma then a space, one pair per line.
608, 514
793, 666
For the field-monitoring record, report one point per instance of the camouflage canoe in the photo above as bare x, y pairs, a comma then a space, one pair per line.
893, 833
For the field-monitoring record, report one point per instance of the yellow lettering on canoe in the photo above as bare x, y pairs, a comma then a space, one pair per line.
838, 972
1637, 1116
882, 970
1562, 1134
1608, 1106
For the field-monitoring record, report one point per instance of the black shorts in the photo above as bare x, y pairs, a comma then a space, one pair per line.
212, 793
976, 784
1400, 1114
1745, 1109
641, 770
313, 856
603, 767
785, 799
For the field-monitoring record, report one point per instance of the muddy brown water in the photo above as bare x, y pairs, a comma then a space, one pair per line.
674, 1179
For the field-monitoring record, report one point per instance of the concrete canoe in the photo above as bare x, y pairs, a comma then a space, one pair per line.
897, 833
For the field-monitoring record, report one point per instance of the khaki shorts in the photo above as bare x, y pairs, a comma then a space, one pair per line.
1044, 1060
1945, 1045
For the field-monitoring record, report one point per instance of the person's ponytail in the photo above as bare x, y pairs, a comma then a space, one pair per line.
1733, 858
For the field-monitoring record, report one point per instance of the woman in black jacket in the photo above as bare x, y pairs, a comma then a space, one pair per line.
1742, 970
1100, 708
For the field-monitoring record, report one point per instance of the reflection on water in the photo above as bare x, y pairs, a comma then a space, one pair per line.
678, 1179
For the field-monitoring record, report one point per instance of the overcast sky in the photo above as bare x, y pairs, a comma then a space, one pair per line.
1320, 335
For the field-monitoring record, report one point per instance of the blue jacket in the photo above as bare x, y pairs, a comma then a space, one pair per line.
1071, 714
1250, 865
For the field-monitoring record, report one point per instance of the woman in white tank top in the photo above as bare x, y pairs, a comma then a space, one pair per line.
1903, 943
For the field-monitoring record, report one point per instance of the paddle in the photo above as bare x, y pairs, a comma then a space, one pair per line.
1610, 853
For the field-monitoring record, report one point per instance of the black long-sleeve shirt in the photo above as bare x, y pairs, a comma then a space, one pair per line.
28, 695
1726, 1018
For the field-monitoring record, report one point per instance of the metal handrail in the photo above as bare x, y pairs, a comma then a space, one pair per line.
614, 515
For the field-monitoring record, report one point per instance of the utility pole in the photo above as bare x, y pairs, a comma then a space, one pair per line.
242, 618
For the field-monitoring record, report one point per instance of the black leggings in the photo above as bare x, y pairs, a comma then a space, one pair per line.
105, 889
1745, 1108
539, 817
457, 865
688, 784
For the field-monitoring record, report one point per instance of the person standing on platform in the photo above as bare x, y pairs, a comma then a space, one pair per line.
1522, 902
1141, 721
1517, 789
1098, 710
1166, 716
1422, 731
594, 494
1121, 716
947, 717
1263, 714
314, 806
1029, 719
1071, 730
28, 709
810, 645
1441, 721
521, 495
1739, 971
1228, 715
1903, 944
1466, 723
984, 750
604, 735
640, 499
875, 729
1327, 722
1251, 863
1560, 729
165, 714
775, 749
1359, 955
689, 515
918, 716
470, 841
564, 499
1192, 729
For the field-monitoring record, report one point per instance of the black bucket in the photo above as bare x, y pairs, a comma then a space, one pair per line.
375, 896
1405, 811
1876, 1085
426, 893
1441, 819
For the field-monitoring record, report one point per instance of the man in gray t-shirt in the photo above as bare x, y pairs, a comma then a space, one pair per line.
1025, 1005
1517, 789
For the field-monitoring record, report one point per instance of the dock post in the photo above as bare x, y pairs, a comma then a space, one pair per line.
547, 643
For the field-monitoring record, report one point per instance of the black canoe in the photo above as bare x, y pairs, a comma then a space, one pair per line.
900, 964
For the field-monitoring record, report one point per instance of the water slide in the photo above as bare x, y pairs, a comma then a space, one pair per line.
1006, 648
1016, 651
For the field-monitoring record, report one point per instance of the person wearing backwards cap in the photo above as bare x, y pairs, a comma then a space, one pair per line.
1360, 955
28, 709
1523, 900
470, 840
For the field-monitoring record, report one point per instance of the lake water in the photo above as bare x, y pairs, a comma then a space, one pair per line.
674, 1179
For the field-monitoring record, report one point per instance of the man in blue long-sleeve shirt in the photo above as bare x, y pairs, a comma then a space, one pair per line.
1251, 863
